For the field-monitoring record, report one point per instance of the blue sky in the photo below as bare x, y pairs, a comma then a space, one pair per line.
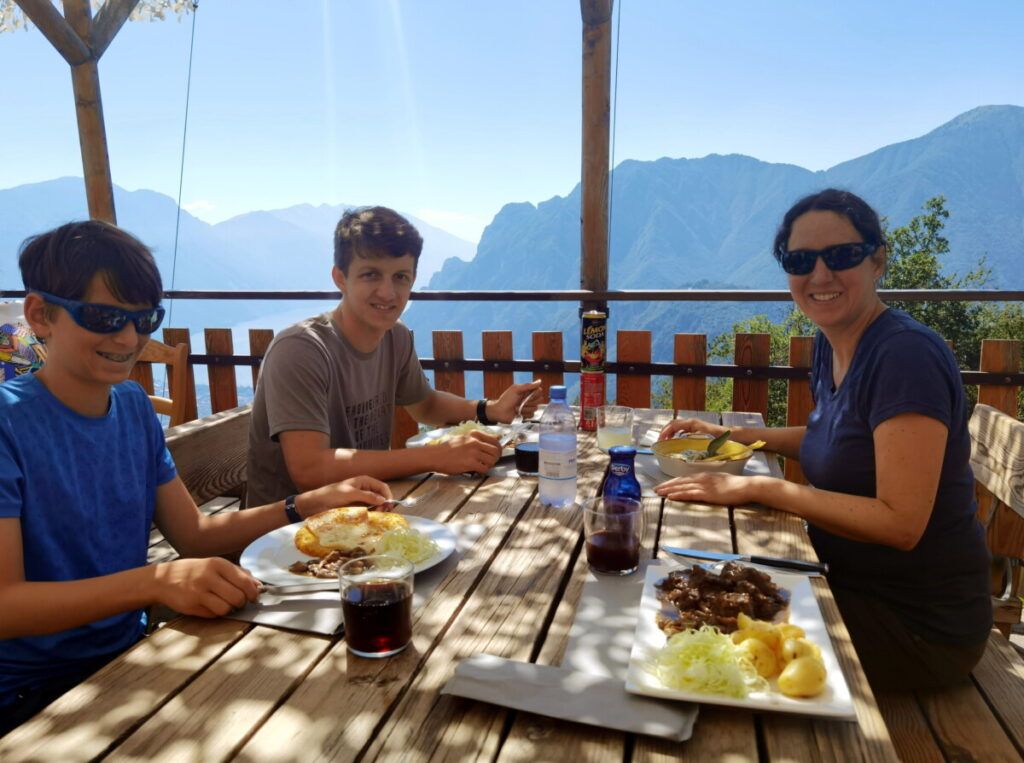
449, 109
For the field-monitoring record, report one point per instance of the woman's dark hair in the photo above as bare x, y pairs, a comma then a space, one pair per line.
370, 232
64, 260
849, 205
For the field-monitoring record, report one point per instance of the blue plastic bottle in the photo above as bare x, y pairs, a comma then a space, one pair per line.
621, 481
557, 452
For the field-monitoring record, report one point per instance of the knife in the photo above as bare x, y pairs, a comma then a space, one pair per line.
819, 568
319, 585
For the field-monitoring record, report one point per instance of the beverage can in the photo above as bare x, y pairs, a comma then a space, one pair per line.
592, 388
593, 341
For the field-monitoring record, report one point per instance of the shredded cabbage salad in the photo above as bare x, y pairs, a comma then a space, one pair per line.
464, 428
407, 543
705, 660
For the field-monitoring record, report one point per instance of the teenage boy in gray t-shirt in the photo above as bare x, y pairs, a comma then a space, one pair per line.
329, 385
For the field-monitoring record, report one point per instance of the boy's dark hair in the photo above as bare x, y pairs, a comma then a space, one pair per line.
64, 260
371, 232
849, 205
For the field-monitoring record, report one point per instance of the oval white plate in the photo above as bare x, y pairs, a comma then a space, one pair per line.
269, 556
421, 439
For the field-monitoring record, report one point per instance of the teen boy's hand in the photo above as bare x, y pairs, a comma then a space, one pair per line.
473, 452
362, 489
506, 407
203, 587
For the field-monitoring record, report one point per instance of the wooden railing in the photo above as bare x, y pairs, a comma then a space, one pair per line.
999, 379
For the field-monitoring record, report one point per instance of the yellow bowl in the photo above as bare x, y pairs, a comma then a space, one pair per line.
677, 467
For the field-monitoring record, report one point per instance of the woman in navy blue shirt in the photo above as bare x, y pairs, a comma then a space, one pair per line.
886, 450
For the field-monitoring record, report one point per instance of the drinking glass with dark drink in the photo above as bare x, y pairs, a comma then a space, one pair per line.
376, 603
613, 529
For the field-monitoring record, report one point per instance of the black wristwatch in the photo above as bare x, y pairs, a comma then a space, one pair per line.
481, 412
289, 510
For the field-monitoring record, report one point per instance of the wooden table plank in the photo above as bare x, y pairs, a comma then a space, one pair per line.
1000, 678
110, 705
965, 726
229, 701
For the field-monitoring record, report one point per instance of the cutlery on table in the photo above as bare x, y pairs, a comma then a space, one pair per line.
815, 568
316, 584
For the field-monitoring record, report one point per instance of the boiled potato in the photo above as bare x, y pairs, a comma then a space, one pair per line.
803, 677
761, 655
788, 630
794, 648
765, 632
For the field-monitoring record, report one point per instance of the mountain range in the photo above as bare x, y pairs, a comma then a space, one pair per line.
675, 224
709, 223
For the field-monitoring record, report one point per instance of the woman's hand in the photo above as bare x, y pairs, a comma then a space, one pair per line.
689, 425
361, 489
706, 487
203, 587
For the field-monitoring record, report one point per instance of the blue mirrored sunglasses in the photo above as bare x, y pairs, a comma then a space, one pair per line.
107, 319
840, 257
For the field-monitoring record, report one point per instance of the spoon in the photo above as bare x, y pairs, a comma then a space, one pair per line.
738, 454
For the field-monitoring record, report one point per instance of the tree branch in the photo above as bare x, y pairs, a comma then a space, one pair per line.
108, 22
57, 30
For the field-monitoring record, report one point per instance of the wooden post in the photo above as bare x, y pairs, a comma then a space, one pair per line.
547, 345
92, 136
496, 345
223, 389
1000, 355
81, 42
751, 395
799, 403
597, 58
689, 393
180, 336
633, 390
259, 341
448, 346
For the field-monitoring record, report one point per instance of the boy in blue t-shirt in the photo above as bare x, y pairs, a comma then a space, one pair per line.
85, 473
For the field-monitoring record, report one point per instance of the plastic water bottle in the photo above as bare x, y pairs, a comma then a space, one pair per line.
621, 481
557, 452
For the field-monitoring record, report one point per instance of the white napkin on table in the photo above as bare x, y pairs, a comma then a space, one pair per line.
590, 686
566, 694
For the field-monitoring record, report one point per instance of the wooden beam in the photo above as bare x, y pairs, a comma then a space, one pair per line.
108, 22
597, 59
92, 135
56, 29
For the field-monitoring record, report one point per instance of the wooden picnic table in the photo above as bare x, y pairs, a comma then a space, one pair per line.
225, 689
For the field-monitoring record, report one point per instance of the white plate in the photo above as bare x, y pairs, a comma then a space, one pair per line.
833, 702
423, 438
269, 557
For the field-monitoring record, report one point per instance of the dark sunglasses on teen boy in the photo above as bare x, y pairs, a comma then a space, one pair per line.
800, 262
107, 319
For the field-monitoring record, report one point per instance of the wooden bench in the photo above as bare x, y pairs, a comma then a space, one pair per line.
997, 458
210, 454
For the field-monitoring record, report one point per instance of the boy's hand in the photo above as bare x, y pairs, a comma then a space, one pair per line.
361, 489
473, 452
506, 407
203, 587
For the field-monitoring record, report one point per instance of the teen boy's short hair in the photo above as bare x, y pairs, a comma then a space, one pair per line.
64, 260
371, 232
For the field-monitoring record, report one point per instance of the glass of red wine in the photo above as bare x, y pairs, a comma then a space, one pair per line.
613, 529
376, 603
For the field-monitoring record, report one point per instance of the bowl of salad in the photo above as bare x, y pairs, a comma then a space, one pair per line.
688, 454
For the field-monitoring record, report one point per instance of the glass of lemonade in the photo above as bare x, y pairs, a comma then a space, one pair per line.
614, 426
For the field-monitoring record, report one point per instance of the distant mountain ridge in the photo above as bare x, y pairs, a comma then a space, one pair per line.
677, 223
